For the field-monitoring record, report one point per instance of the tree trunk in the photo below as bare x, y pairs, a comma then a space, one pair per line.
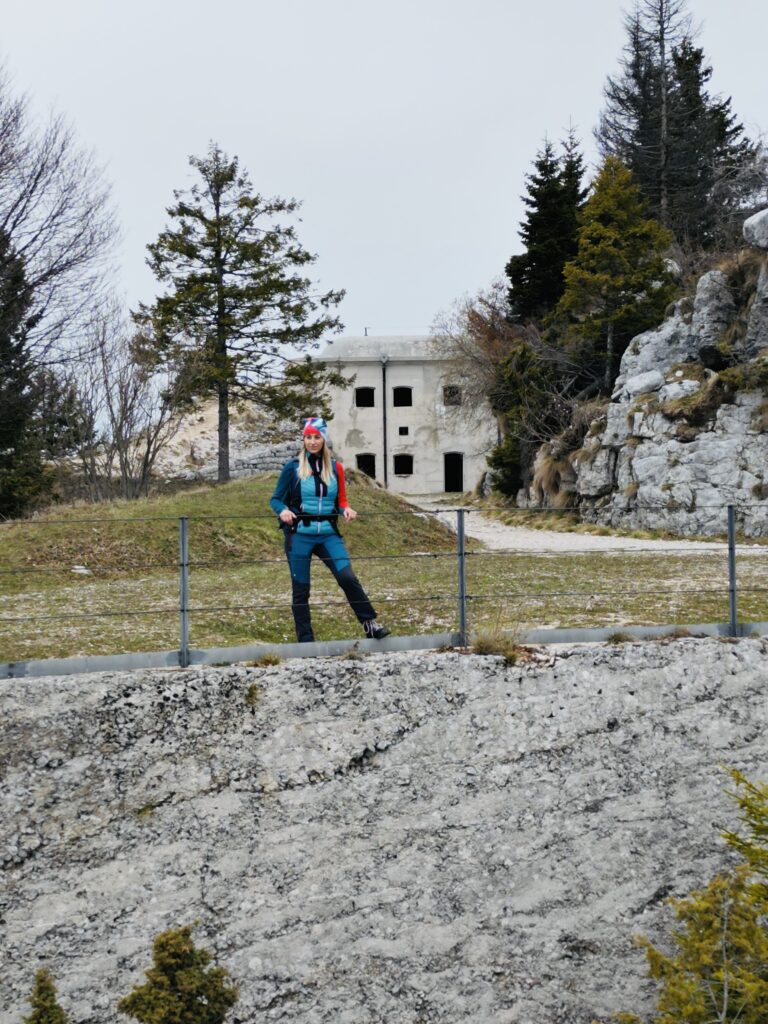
221, 341
609, 359
223, 390
663, 15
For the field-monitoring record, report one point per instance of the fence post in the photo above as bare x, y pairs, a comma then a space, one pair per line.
183, 591
461, 559
733, 625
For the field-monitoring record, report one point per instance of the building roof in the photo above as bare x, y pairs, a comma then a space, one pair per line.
371, 349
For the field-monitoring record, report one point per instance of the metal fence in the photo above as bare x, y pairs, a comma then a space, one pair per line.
470, 580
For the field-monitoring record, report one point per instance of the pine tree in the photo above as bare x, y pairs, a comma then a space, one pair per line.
618, 284
45, 1008
686, 150
752, 801
238, 301
181, 988
549, 230
717, 972
22, 474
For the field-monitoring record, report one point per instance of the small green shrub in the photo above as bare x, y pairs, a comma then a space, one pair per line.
746, 377
252, 695
181, 987
45, 1007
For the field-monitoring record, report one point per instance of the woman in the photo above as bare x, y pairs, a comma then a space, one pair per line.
308, 499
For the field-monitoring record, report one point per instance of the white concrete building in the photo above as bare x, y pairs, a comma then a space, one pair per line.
401, 422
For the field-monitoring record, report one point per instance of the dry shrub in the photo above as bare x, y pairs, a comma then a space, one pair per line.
499, 644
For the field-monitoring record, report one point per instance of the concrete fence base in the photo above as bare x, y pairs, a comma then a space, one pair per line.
335, 648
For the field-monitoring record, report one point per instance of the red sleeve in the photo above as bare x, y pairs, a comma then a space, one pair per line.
342, 498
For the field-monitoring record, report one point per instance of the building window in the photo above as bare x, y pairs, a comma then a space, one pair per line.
366, 463
452, 394
402, 431
364, 398
402, 396
404, 464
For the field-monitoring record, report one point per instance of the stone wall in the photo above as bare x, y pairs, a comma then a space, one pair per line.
401, 838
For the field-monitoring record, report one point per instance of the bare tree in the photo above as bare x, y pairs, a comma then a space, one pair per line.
483, 346
126, 413
55, 210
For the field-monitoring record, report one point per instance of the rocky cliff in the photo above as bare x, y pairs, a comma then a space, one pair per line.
686, 430
403, 838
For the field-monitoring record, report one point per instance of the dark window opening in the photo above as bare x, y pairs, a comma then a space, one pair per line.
404, 465
364, 398
453, 466
402, 431
366, 463
452, 395
402, 396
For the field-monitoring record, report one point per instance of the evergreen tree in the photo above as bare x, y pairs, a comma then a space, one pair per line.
549, 231
718, 971
45, 1008
686, 150
22, 474
618, 284
238, 300
752, 801
181, 987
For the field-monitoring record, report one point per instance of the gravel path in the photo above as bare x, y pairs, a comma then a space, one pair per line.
499, 537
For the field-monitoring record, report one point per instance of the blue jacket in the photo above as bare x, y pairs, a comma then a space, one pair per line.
287, 494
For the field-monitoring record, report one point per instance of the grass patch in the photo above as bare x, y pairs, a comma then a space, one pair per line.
497, 644
406, 564
264, 661
620, 637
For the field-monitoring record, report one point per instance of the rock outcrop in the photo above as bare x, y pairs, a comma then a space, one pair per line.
402, 838
686, 431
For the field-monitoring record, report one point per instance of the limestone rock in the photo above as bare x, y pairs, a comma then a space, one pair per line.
643, 383
756, 229
658, 349
678, 389
596, 475
713, 309
756, 338
407, 837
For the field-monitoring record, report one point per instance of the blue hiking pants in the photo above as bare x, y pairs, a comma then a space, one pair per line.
330, 549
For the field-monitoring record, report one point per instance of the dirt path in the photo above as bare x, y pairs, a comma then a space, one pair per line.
499, 537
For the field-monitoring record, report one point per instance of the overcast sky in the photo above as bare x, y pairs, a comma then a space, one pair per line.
405, 127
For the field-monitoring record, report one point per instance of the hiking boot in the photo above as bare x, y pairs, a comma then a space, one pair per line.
375, 630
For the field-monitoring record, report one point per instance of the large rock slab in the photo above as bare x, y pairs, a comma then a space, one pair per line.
756, 338
672, 342
713, 309
756, 229
402, 838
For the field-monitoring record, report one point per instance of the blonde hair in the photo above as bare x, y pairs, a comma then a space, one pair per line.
305, 470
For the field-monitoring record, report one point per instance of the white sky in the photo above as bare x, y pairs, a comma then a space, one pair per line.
406, 127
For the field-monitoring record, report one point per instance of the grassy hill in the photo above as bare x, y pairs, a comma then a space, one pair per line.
119, 562
97, 579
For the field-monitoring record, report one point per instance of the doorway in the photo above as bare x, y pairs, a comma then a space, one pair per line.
453, 466
366, 463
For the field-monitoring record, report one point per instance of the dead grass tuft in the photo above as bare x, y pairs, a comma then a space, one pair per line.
498, 644
620, 637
